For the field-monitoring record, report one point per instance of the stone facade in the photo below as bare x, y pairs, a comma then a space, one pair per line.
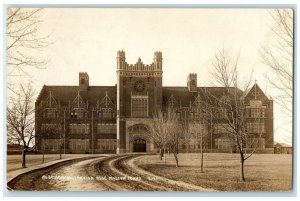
116, 119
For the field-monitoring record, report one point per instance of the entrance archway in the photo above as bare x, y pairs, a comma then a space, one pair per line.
139, 145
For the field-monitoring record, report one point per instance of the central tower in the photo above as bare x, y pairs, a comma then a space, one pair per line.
139, 97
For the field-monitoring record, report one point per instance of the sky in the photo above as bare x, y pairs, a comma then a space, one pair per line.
87, 40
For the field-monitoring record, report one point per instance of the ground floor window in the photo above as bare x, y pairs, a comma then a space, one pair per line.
106, 144
79, 144
222, 143
50, 144
256, 143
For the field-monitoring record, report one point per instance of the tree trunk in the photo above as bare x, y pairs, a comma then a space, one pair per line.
24, 158
176, 158
242, 178
201, 160
201, 153
160, 154
164, 155
60, 155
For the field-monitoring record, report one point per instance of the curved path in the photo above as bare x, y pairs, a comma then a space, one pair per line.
113, 173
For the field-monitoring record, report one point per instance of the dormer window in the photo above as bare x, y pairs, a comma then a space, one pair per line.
78, 113
50, 113
73, 115
107, 113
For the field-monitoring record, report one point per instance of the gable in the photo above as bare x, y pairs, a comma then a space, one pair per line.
255, 93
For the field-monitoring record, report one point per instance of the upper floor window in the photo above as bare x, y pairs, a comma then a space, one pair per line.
79, 128
256, 112
107, 128
107, 113
197, 130
77, 113
255, 127
139, 106
222, 128
51, 128
51, 113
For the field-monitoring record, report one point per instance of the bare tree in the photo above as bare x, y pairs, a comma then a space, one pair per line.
12, 137
232, 104
20, 119
24, 41
50, 124
200, 121
279, 58
158, 133
197, 128
174, 129
52, 128
165, 132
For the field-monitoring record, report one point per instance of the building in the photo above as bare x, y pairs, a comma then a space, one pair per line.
282, 148
116, 119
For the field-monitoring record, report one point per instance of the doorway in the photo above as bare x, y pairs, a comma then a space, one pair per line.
139, 145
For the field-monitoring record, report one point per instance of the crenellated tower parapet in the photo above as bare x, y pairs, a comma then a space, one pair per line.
139, 69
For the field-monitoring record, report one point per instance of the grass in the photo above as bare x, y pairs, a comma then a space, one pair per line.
263, 172
14, 162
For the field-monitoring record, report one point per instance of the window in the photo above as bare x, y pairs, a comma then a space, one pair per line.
107, 113
51, 113
107, 128
256, 143
74, 114
79, 144
50, 144
222, 143
257, 112
77, 113
222, 128
79, 128
55, 128
106, 144
255, 103
139, 106
197, 129
255, 127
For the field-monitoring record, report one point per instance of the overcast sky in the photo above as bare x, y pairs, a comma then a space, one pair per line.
88, 40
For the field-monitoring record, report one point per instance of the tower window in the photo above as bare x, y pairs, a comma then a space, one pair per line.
139, 106
82, 81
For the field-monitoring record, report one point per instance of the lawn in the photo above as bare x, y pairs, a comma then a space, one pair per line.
14, 162
263, 172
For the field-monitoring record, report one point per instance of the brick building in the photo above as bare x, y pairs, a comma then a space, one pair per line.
110, 119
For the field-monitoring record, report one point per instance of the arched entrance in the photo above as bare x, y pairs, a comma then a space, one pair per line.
139, 145
138, 138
